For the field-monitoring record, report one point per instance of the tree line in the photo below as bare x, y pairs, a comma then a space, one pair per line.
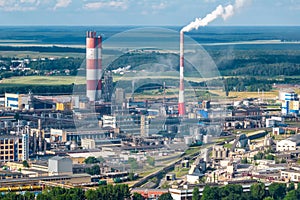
276, 191
38, 89
258, 191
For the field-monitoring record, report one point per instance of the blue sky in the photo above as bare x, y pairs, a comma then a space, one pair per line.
144, 12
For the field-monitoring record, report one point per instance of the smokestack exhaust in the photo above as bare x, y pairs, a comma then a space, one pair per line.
181, 104
220, 11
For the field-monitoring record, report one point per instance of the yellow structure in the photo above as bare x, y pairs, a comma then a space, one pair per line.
63, 106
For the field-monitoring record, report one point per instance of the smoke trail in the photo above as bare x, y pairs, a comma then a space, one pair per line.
220, 11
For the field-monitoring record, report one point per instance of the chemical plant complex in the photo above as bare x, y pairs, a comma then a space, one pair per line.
166, 143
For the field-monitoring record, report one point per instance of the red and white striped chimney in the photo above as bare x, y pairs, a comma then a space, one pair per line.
181, 105
93, 66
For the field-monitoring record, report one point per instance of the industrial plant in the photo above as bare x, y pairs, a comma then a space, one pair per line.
163, 144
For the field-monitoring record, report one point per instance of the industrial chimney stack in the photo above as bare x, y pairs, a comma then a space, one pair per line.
181, 105
93, 66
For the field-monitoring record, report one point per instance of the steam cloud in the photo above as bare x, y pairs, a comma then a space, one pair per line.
220, 11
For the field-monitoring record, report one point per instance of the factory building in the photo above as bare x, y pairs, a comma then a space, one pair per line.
12, 149
109, 121
220, 152
28, 101
60, 166
17, 101
290, 104
289, 144
59, 135
88, 144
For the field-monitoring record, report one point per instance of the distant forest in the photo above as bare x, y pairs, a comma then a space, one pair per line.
243, 70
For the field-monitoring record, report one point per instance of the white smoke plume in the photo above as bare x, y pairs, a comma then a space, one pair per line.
220, 11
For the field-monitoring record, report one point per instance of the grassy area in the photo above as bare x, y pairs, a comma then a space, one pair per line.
243, 95
159, 75
181, 172
192, 150
148, 171
44, 80
228, 145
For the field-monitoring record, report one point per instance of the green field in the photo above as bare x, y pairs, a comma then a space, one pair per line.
44, 80
36, 54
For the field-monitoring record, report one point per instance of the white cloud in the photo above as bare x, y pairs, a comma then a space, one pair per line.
62, 4
19, 5
106, 4
28, 1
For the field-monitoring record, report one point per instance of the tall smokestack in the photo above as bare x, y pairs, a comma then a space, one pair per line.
93, 66
181, 105
220, 11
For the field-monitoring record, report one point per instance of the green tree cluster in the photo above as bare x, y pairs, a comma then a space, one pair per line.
91, 160
109, 192
58, 193
94, 170
277, 191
